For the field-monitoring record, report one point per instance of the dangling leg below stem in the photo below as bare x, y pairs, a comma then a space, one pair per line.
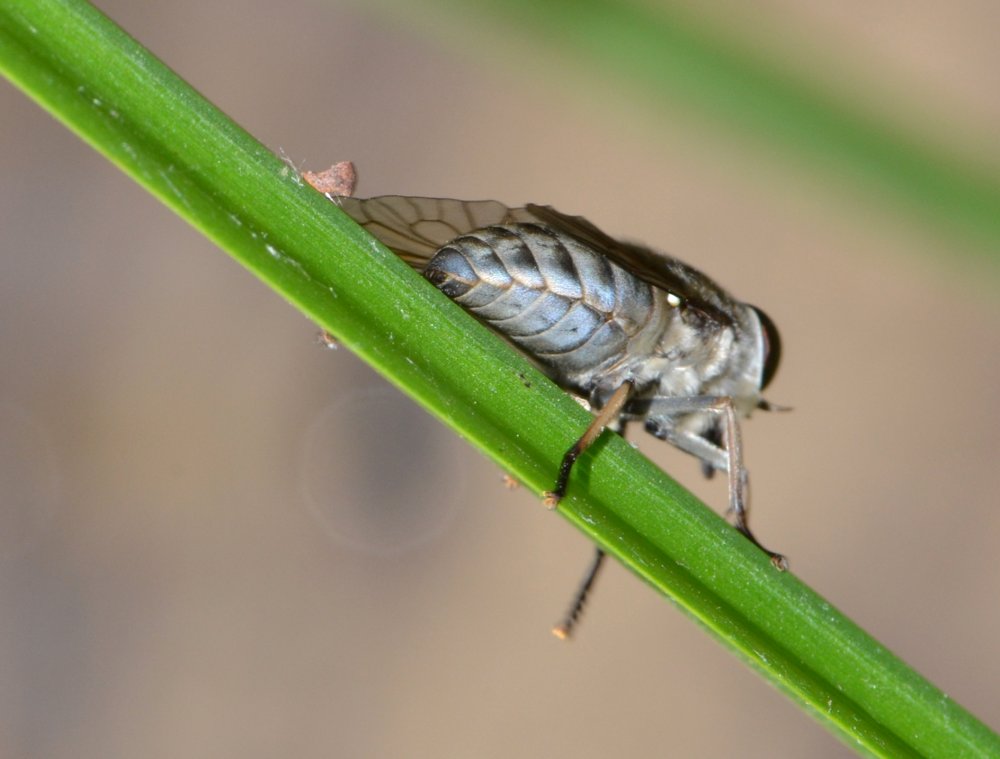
610, 416
565, 628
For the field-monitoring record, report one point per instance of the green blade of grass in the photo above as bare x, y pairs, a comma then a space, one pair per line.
124, 102
680, 66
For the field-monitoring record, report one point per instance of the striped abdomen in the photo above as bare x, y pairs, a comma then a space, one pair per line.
557, 299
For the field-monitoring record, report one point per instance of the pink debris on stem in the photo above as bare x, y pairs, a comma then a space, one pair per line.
338, 180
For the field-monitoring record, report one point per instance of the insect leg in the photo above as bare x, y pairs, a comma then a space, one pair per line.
565, 628
608, 415
729, 460
739, 482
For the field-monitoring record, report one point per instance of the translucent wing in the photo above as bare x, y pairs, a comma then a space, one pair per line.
694, 289
414, 228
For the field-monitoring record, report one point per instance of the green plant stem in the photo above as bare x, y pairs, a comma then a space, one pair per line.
124, 102
680, 66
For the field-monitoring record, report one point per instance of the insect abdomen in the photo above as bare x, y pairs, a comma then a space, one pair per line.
560, 301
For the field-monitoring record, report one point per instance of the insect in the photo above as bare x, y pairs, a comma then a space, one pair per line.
640, 336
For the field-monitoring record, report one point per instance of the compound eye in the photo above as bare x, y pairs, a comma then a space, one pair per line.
772, 347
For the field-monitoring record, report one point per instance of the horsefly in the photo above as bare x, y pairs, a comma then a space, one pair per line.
638, 335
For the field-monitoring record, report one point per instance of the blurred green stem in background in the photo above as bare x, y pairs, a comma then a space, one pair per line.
123, 101
677, 64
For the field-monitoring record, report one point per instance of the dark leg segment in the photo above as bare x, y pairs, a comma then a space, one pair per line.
608, 415
565, 628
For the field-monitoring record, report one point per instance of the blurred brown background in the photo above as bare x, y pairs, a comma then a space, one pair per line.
218, 539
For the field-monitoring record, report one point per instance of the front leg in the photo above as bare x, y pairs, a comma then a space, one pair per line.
728, 459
